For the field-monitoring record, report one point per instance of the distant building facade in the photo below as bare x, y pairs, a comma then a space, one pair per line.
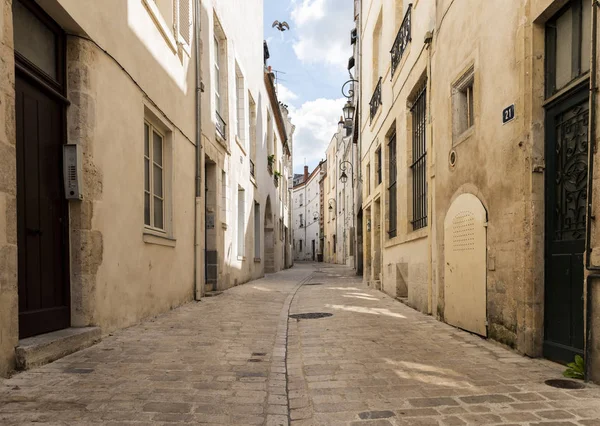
306, 215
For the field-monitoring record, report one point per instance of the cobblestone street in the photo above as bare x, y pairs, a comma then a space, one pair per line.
236, 359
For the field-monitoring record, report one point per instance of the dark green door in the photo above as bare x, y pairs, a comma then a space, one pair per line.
566, 199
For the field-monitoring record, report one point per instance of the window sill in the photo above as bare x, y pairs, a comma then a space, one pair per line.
221, 140
373, 122
240, 144
466, 135
257, 260
253, 180
410, 237
151, 237
241, 258
162, 26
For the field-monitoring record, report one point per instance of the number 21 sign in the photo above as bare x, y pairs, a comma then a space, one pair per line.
508, 114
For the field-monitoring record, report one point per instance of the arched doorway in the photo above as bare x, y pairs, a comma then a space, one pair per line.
465, 275
269, 239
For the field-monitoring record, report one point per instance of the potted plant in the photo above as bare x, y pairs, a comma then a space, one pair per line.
270, 161
276, 176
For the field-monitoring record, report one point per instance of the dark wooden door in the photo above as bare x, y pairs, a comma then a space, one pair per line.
41, 211
566, 199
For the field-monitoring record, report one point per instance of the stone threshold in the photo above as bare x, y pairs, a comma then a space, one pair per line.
39, 350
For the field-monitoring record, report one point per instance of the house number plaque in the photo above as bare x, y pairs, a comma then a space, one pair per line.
508, 114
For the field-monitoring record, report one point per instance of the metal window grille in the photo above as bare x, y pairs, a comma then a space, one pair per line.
375, 102
392, 188
402, 39
419, 159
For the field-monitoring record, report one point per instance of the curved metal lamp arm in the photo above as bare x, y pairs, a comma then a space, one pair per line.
344, 165
348, 92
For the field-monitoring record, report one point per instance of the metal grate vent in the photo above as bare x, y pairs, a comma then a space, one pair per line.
463, 231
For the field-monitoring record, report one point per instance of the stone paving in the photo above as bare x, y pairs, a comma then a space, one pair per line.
236, 359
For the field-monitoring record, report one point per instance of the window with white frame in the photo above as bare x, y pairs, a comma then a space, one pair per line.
256, 230
463, 105
184, 20
154, 177
240, 110
217, 76
241, 221
220, 78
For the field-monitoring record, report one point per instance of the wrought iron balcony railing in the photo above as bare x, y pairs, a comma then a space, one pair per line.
375, 99
221, 126
402, 39
252, 169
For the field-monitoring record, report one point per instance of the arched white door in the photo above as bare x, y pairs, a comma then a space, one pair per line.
465, 277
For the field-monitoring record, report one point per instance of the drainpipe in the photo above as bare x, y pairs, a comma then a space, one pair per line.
590, 216
198, 199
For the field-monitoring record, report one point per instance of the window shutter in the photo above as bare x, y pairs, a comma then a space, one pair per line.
185, 26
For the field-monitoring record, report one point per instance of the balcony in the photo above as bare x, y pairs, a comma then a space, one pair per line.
375, 102
252, 169
221, 126
402, 39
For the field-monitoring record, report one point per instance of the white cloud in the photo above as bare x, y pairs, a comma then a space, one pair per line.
322, 29
284, 94
308, 10
316, 122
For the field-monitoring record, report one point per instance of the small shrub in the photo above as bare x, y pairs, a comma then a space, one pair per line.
575, 370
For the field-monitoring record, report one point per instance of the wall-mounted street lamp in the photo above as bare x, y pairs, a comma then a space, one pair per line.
331, 204
349, 112
349, 108
343, 166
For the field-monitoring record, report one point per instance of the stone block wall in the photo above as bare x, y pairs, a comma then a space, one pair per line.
8, 191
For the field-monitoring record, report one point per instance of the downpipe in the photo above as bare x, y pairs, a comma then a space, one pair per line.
198, 183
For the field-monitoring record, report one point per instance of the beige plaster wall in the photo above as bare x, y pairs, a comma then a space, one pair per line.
8, 189
407, 255
119, 275
493, 162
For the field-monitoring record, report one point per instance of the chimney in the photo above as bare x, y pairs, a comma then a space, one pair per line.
341, 124
305, 173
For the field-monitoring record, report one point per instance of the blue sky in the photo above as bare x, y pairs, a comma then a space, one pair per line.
312, 57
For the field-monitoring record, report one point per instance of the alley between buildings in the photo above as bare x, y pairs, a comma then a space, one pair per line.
238, 358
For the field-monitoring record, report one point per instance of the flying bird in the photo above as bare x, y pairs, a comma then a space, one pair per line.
281, 26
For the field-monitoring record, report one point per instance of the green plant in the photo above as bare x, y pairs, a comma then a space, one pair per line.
271, 158
277, 174
575, 370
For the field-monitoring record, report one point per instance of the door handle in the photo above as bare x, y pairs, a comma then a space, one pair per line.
34, 232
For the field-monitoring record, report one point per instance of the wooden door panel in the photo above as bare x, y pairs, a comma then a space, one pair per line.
41, 212
465, 272
566, 201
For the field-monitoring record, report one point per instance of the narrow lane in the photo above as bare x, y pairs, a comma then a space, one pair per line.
238, 359
379, 362
218, 361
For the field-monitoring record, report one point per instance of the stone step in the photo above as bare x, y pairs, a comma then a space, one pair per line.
45, 348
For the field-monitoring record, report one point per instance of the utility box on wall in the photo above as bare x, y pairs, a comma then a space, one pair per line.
72, 171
